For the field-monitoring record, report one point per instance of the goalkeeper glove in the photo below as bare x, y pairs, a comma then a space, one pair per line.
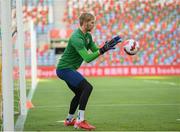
114, 41
110, 45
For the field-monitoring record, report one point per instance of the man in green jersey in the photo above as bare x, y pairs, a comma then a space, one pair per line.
75, 53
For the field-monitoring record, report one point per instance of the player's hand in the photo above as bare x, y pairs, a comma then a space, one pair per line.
110, 44
114, 41
105, 48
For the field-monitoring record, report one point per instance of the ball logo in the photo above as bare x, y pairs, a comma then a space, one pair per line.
133, 46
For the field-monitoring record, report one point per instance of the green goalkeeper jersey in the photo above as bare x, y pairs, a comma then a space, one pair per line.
77, 51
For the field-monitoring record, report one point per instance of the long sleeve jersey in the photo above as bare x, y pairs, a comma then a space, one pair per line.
77, 51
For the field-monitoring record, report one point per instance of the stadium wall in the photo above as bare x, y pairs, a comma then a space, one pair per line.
166, 70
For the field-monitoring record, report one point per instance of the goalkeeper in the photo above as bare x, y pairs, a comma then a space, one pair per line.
75, 53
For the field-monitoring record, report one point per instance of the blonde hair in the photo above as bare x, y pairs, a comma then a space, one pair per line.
86, 17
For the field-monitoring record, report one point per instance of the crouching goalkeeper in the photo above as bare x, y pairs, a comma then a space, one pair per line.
75, 53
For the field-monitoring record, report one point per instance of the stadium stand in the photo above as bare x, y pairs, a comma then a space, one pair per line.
39, 11
153, 23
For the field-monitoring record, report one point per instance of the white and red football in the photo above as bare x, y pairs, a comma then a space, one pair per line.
131, 47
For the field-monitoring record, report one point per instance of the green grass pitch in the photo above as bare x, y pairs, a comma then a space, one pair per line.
116, 104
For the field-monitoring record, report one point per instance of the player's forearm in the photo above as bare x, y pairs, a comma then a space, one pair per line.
91, 56
88, 57
94, 47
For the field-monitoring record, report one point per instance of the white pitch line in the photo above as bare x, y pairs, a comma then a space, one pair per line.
60, 121
107, 105
158, 82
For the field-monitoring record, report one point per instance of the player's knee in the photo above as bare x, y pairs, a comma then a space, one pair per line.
84, 84
89, 87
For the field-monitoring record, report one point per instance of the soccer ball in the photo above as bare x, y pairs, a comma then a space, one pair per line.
131, 47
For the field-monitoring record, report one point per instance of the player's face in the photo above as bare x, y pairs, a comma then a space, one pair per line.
90, 25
